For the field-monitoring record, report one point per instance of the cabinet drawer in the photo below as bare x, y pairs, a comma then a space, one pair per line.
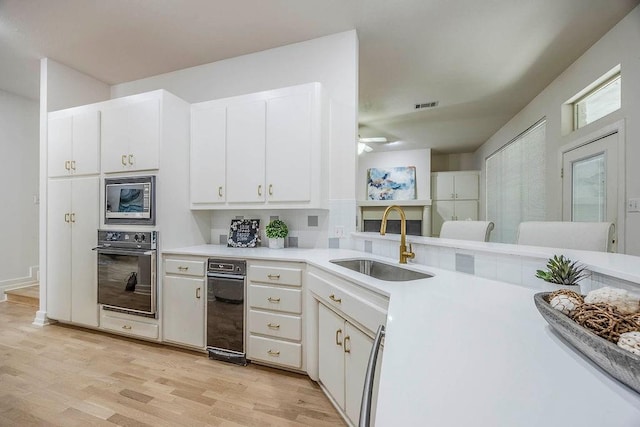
276, 275
129, 327
277, 299
275, 351
275, 325
186, 267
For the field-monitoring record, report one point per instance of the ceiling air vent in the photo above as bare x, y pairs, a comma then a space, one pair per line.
427, 105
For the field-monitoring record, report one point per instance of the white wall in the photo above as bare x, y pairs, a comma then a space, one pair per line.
330, 60
421, 159
19, 177
619, 46
452, 162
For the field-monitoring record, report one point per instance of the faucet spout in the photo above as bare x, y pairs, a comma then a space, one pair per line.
404, 253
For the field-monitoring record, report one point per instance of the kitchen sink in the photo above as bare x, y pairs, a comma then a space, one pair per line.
380, 270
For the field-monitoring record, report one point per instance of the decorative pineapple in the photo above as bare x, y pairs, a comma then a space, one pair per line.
562, 271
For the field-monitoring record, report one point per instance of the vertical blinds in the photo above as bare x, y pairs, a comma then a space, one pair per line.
515, 183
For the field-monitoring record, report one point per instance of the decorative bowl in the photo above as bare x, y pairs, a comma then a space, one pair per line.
620, 364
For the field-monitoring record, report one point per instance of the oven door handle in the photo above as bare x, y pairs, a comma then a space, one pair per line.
226, 276
114, 251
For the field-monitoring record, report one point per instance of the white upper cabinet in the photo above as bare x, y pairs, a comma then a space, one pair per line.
208, 154
274, 150
131, 136
455, 185
73, 144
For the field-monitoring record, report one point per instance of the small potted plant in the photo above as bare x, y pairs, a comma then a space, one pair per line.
276, 231
562, 271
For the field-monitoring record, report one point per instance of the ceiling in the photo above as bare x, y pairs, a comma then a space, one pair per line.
482, 60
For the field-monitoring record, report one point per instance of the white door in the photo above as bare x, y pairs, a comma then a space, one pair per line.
466, 186
331, 333
466, 210
59, 249
183, 311
208, 159
288, 154
590, 182
357, 348
143, 126
86, 143
85, 219
246, 152
114, 137
443, 186
59, 151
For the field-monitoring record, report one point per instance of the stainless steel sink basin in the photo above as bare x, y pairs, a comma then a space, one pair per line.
380, 270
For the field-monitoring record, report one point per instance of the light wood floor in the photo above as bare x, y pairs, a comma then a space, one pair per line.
66, 376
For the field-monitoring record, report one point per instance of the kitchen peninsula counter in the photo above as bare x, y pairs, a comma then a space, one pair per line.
463, 350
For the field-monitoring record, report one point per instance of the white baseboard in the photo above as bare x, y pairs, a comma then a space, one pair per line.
19, 282
41, 319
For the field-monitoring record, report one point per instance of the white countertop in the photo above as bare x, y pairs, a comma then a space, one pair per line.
466, 351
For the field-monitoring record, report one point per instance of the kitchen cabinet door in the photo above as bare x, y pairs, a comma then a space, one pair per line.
441, 211
443, 186
331, 366
208, 154
357, 347
59, 146
86, 143
466, 186
246, 152
466, 210
183, 310
131, 137
288, 142
59, 250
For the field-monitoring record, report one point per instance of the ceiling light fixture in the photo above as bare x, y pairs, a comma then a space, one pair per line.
374, 139
363, 148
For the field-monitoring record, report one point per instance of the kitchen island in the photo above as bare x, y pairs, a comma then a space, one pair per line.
465, 350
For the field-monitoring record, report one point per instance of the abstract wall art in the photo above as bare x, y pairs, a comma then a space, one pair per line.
396, 183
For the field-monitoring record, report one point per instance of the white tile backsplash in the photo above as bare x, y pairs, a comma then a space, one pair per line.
485, 265
509, 269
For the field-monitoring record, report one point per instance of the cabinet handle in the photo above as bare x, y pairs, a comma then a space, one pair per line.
271, 189
338, 332
73, 164
181, 268
456, 195
127, 327
66, 217
259, 190
67, 164
453, 196
123, 159
273, 276
131, 159
273, 326
220, 191
347, 339
333, 298
73, 217
198, 293
273, 353
274, 300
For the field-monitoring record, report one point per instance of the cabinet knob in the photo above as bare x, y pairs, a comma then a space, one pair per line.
259, 190
273, 325
123, 159
198, 293
333, 298
126, 327
274, 300
182, 268
271, 189
338, 333
273, 353
66, 217
73, 217
131, 159
220, 191
67, 164
273, 276
73, 165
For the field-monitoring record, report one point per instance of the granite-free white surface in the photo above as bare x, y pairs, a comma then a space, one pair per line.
461, 350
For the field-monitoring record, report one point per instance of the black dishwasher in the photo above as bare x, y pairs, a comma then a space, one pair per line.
225, 310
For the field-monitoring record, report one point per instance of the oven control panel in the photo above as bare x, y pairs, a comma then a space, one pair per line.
128, 239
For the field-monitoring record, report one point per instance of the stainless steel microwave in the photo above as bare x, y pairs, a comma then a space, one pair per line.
130, 200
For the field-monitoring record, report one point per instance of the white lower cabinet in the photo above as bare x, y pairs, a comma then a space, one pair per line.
72, 221
183, 302
343, 353
275, 314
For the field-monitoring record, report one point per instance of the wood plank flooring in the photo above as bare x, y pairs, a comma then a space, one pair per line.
66, 376
29, 295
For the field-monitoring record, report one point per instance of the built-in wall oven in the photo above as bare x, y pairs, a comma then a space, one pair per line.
127, 271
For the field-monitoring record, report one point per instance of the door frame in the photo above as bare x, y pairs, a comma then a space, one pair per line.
619, 128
